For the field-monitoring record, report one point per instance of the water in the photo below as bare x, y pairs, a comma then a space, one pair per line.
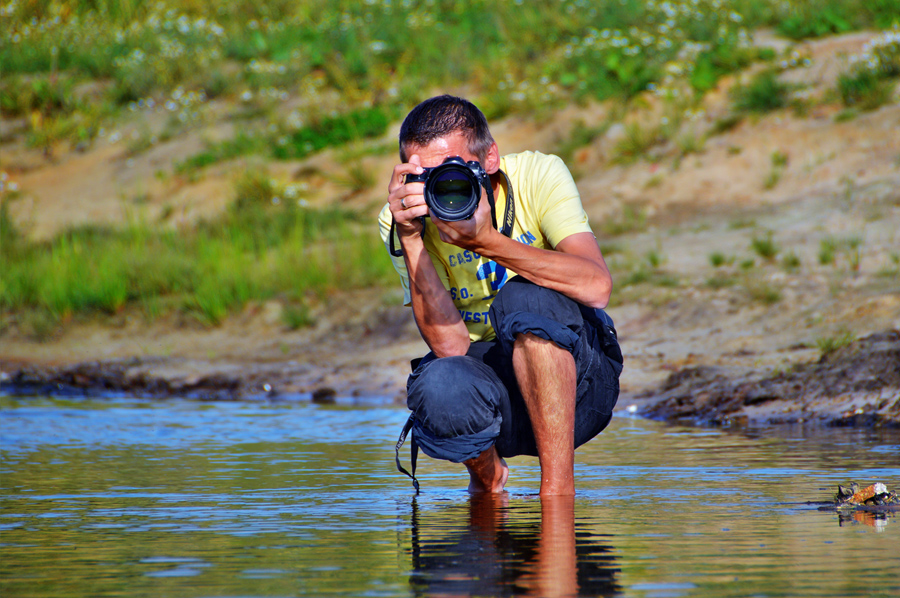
179, 498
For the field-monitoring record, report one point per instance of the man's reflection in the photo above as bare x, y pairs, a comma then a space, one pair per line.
501, 551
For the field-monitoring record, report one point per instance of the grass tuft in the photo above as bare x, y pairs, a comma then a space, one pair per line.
765, 247
830, 344
764, 93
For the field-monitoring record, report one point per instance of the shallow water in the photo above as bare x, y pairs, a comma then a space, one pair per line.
177, 498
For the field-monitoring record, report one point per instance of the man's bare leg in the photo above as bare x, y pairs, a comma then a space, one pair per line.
547, 377
487, 472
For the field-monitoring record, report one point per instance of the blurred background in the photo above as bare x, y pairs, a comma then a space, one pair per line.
188, 164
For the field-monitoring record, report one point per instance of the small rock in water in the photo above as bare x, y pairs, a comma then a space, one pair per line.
324, 396
875, 495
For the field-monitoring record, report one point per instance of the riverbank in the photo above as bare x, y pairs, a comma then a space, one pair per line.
857, 385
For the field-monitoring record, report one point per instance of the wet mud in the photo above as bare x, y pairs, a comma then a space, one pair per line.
855, 386
159, 378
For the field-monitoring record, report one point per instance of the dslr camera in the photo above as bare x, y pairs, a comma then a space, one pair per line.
453, 189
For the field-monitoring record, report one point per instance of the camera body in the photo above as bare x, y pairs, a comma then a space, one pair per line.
452, 189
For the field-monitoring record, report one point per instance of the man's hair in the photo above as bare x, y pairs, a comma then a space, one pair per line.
441, 116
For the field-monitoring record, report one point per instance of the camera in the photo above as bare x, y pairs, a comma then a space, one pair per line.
453, 189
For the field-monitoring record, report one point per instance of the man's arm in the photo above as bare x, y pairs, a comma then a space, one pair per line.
576, 268
438, 320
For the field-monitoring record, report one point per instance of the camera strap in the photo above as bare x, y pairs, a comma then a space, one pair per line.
414, 451
509, 213
393, 248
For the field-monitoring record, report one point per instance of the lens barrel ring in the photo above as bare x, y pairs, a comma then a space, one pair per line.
452, 189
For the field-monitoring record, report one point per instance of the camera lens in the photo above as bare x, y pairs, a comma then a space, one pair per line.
452, 192
452, 189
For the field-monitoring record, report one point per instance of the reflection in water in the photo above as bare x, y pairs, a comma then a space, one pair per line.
179, 498
502, 552
875, 519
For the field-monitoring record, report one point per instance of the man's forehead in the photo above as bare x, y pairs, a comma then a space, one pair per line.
455, 143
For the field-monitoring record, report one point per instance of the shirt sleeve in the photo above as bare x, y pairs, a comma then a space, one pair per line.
559, 207
384, 226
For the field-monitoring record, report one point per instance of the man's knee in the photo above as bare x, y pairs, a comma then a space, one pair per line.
455, 396
534, 343
523, 307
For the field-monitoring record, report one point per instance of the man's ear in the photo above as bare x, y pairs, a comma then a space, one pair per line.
492, 162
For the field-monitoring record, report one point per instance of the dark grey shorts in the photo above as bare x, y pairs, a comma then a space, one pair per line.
463, 405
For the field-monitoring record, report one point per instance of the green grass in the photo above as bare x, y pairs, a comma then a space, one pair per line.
257, 250
635, 142
764, 93
807, 18
241, 145
726, 124
870, 81
763, 292
765, 247
827, 249
303, 76
849, 248
343, 57
718, 259
779, 161
333, 131
720, 282
648, 276
791, 262
864, 89
830, 344
580, 135
295, 316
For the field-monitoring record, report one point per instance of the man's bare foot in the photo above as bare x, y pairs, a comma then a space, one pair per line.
487, 472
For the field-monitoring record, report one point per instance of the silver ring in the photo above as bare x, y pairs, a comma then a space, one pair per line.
403, 202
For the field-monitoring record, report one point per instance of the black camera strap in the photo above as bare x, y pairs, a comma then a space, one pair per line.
399, 252
509, 213
414, 451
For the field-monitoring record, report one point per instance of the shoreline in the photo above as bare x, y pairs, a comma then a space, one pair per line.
856, 386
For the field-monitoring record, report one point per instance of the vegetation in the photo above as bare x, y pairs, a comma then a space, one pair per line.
779, 161
868, 84
849, 248
765, 247
807, 18
763, 93
718, 259
791, 262
830, 344
763, 292
304, 76
261, 248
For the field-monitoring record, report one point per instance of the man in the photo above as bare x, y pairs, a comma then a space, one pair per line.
522, 360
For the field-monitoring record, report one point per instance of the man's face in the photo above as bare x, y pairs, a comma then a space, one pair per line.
433, 154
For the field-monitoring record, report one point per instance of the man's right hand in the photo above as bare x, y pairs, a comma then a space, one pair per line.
407, 202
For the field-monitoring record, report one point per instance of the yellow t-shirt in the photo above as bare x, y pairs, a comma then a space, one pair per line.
547, 210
